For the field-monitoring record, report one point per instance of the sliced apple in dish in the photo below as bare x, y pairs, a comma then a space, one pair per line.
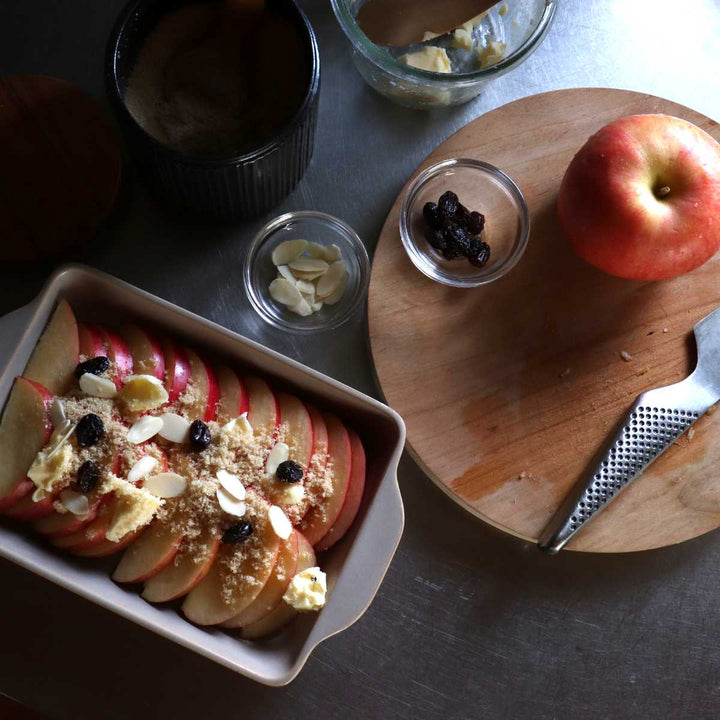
25, 428
177, 370
238, 574
106, 547
233, 400
203, 387
62, 524
147, 355
91, 341
149, 554
189, 566
320, 518
271, 594
263, 412
283, 613
55, 356
353, 496
119, 355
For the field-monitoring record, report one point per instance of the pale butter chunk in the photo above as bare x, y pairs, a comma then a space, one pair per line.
143, 392
307, 590
462, 39
492, 54
433, 59
50, 468
135, 508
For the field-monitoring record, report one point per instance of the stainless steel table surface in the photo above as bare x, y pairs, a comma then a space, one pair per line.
469, 623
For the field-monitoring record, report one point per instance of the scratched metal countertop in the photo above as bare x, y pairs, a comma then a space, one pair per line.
469, 623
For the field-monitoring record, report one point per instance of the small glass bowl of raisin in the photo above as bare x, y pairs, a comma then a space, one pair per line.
464, 223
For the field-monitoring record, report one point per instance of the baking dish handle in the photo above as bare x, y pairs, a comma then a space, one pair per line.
12, 327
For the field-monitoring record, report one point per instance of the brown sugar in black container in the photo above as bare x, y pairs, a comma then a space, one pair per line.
223, 187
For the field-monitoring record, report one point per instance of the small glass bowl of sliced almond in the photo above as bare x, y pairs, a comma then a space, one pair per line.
306, 271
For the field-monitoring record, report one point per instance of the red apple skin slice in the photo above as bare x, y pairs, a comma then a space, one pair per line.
205, 605
24, 488
283, 613
233, 401
89, 536
318, 520
91, 342
352, 497
271, 595
26, 509
205, 385
107, 547
147, 355
149, 554
55, 356
177, 370
119, 355
186, 572
263, 411
25, 429
64, 524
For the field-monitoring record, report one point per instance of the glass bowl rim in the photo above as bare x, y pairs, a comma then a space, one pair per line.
425, 266
360, 256
376, 55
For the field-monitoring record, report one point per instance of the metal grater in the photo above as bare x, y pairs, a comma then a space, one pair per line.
654, 422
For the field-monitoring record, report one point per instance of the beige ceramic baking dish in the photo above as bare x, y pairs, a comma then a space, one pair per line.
355, 566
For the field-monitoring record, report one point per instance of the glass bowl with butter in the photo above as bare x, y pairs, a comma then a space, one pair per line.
306, 271
453, 68
499, 241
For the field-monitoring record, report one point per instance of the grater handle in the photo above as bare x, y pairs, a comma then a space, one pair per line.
656, 419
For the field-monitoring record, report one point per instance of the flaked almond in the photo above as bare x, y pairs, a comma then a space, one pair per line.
143, 429
143, 392
279, 522
142, 468
288, 251
39, 494
279, 454
285, 272
315, 250
283, 291
165, 485
97, 386
75, 502
232, 484
241, 424
231, 505
331, 279
338, 292
57, 413
316, 306
59, 438
175, 428
305, 287
302, 308
308, 275
332, 253
308, 265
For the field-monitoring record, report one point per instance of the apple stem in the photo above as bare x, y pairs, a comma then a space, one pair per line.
662, 192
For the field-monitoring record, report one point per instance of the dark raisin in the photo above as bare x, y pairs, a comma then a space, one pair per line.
448, 204
462, 215
482, 255
432, 215
457, 242
88, 475
475, 223
200, 436
237, 533
89, 430
436, 238
289, 472
97, 366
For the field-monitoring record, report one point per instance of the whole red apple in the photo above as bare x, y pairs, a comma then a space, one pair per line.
641, 199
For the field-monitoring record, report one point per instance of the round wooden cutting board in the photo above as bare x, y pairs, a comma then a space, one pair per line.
509, 390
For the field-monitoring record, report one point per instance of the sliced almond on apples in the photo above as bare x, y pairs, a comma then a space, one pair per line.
97, 386
142, 468
231, 505
283, 291
331, 279
231, 483
143, 429
57, 413
287, 251
175, 428
75, 502
279, 454
302, 308
308, 265
279, 522
339, 290
143, 392
166, 485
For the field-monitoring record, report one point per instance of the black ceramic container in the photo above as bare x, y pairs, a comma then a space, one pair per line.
218, 187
